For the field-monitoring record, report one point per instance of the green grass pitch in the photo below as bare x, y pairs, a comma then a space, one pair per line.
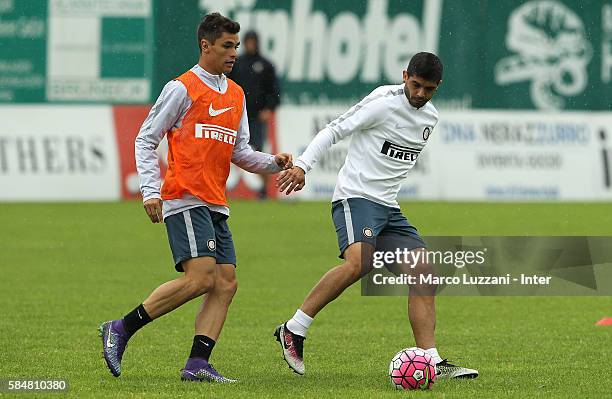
67, 267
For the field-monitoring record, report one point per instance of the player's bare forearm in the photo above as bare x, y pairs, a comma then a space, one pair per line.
153, 208
291, 180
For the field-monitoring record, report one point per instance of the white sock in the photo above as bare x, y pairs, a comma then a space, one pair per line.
433, 352
299, 323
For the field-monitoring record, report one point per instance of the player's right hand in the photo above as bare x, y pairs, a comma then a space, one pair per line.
291, 180
153, 207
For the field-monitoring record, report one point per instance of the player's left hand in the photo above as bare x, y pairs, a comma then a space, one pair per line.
284, 160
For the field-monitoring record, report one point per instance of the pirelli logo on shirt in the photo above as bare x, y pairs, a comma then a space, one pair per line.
400, 152
215, 132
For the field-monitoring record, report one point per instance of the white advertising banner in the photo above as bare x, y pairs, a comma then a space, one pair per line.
58, 153
481, 155
524, 155
79, 153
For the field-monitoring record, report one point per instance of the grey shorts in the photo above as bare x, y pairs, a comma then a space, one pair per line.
200, 232
362, 220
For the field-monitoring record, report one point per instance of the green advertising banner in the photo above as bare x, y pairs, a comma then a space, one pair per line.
538, 54
543, 54
514, 54
23, 46
76, 51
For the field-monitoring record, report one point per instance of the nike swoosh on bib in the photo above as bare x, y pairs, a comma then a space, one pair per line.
215, 112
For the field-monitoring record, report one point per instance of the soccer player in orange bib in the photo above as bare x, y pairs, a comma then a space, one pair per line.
204, 117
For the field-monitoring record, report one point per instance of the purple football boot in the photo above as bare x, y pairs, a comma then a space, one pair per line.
199, 370
114, 342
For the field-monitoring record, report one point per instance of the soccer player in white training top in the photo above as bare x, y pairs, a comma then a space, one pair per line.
388, 130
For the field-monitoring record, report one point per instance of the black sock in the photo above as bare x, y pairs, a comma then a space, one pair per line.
135, 320
202, 347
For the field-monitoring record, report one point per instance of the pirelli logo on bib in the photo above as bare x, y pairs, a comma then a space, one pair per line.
400, 152
215, 132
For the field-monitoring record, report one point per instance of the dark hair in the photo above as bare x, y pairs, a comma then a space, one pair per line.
212, 27
427, 66
251, 35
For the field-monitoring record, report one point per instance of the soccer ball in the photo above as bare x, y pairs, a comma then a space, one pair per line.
412, 368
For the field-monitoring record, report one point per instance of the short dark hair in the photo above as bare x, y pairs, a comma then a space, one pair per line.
251, 35
212, 27
427, 66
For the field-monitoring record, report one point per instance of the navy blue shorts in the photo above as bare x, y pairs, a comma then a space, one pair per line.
362, 220
200, 232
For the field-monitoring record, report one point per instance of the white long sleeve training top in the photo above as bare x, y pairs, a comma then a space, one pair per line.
388, 134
